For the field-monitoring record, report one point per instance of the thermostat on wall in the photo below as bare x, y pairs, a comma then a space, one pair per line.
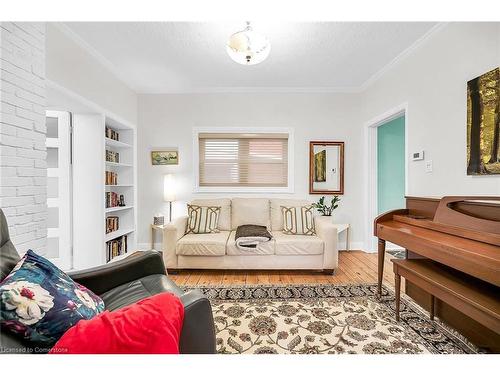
419, 155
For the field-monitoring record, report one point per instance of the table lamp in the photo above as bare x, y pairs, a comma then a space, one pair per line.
169, 192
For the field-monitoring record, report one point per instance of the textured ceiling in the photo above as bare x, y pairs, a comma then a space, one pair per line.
191, 57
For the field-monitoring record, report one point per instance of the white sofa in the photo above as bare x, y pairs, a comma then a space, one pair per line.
219, 251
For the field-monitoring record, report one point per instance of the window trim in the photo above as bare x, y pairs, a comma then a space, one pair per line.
242, 189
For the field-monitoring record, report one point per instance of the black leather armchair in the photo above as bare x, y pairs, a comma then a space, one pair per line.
120, 284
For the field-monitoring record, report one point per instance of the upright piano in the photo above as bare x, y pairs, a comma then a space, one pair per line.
461, 235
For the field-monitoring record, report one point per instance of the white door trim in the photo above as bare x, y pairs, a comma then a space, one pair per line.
370, 135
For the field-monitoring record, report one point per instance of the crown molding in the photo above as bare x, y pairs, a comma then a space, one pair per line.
65, 29
403, 55
258, 90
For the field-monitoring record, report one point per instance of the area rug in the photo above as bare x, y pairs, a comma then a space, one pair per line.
331, 319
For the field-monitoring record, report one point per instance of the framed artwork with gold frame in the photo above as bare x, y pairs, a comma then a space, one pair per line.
164, 157
326, 167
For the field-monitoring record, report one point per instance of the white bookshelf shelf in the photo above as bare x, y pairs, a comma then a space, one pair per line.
119, 208
119, 185
118, 233
117, 144
111, 164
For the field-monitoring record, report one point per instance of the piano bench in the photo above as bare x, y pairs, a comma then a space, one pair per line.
479, 301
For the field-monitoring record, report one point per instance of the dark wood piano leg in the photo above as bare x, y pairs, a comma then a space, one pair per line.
397, 287
432, 307
381, 259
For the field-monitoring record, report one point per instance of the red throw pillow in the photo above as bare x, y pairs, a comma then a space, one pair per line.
150, 326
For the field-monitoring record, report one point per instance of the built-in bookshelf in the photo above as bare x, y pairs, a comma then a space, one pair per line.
76, 194
96, 196
119, 189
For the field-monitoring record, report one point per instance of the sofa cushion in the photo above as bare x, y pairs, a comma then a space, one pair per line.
206, 244
297, 244
150, 326
277, 216
298, 220
250, 211
225, 210
265, 248
39, 302
203, 219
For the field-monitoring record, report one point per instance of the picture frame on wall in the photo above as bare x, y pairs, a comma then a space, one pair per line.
165, 157
326, 167
483, 124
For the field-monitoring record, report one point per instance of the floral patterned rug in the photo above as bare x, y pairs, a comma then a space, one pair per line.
332, 319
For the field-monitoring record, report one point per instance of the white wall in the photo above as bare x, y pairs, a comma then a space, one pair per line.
433, 81
168, 121
23, 167
69, 65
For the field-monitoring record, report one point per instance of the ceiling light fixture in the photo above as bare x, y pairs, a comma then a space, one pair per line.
248, 47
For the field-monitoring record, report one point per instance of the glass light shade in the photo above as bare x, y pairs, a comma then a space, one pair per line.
169, 188
248, 47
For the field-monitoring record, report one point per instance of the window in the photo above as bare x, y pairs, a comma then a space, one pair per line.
243, 160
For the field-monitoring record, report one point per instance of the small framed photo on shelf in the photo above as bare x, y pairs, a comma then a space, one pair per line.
165, 157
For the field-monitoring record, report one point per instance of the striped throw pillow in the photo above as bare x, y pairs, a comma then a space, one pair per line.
202, 219
298, 220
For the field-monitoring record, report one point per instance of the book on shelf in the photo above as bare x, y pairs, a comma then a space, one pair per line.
111, 178
116, 247
112, 224
114, 200
112, 134
112, 156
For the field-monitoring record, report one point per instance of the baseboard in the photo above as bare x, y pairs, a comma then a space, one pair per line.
354, 246
388, 246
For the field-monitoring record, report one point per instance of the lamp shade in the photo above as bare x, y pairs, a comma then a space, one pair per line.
169, 188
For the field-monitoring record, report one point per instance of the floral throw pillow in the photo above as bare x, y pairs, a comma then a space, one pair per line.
39, 302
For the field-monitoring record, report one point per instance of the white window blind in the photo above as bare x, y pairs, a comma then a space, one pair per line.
248, 160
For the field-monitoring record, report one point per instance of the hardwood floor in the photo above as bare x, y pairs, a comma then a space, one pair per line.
355, 266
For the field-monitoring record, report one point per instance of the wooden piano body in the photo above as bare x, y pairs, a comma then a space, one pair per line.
461, 235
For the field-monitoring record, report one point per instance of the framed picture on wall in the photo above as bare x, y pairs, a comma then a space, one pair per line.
165, 157
326, 167
483, 124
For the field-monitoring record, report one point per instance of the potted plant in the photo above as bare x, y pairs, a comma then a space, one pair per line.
327, 209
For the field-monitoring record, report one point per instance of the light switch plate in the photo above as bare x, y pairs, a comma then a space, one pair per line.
417, 155
428, 166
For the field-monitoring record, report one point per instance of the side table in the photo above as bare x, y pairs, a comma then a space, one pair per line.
344, 228
153, 228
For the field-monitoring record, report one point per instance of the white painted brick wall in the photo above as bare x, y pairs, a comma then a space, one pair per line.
23, 173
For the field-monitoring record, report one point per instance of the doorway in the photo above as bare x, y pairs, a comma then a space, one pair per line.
386, 167
391, 165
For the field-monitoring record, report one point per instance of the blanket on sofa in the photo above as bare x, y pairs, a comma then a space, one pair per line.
248, 237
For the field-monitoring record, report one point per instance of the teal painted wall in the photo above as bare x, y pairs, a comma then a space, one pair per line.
391, 165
